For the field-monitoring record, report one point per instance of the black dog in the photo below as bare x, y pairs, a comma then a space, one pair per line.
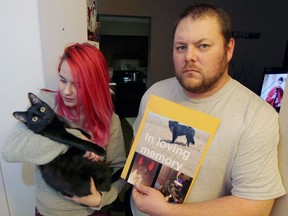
181, 130
172, 191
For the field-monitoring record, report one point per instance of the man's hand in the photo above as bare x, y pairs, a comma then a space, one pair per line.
149, 200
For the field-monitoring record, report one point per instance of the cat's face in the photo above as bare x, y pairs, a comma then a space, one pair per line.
38, 115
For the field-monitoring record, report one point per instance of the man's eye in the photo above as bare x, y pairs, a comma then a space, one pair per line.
204, 46
182, 47
35, 118
42, 109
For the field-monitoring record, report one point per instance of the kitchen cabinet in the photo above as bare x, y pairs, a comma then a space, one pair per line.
116, 47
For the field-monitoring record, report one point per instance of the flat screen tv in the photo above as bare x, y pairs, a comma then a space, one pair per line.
272, 87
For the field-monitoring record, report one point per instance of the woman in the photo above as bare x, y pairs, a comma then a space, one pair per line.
83, 99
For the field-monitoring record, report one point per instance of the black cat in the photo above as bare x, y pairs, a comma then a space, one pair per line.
68, 173
181, 130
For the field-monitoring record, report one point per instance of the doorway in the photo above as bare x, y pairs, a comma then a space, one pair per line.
124, 41
124, 38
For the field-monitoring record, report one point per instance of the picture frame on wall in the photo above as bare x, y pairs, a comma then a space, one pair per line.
93, 26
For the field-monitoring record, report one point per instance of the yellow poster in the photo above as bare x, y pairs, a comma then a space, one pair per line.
169, 147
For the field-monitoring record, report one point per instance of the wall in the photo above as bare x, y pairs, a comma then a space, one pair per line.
3, 199
56, 33
23, 70
253, 55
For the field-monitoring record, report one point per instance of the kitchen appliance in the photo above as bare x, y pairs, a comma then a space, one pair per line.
125, 64
127, 76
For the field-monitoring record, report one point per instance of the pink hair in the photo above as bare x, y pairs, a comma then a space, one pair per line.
90, 72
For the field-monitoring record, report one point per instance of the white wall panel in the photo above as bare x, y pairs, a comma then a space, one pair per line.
61, 22
3, 200
21, 70
24, 67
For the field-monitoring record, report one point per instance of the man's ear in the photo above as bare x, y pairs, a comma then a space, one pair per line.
230, 48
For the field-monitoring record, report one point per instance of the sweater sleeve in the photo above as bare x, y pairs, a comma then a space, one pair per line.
116, 158
23, 145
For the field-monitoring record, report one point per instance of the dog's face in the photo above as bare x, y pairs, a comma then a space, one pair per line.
172, 124
172, 192
176, 192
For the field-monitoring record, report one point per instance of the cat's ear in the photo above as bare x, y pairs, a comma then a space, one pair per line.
21, 116
33, 98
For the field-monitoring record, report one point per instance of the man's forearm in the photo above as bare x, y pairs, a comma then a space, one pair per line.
230, 206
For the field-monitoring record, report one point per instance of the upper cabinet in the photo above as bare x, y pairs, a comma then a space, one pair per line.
124, 37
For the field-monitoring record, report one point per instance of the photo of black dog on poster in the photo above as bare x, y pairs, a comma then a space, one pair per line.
172, 143
181, 130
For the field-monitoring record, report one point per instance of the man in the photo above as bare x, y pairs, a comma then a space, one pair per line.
239, 175
275, 95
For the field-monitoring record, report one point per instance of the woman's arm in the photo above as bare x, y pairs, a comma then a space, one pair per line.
23, 145
116, 157
271, 96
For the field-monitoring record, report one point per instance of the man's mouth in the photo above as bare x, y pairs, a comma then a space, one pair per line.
190, 68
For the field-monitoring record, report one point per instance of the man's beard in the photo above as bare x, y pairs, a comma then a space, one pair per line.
206, 83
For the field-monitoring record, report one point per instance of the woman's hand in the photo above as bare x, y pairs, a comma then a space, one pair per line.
92, 200
88, 154
91, 156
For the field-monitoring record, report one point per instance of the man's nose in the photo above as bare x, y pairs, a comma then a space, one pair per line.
191, 54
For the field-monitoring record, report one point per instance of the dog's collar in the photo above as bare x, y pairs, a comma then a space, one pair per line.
178, 183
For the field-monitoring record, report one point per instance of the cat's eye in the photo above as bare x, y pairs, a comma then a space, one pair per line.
42, 109
35, 118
